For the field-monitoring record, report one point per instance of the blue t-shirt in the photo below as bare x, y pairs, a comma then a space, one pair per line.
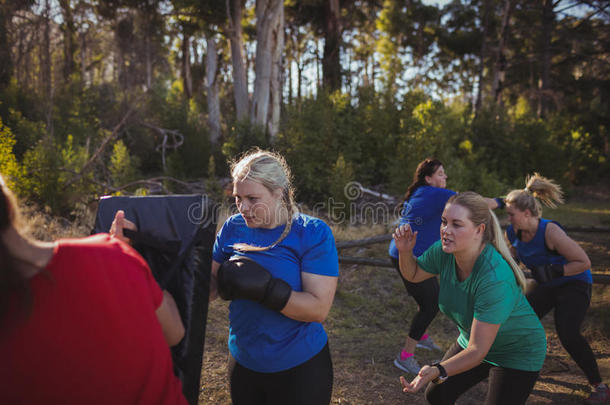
535, 253
423, 212
261, 339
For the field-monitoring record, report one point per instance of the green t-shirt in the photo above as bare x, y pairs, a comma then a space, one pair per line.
490, 294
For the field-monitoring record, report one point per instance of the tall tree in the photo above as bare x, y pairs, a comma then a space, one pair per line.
269, 28
235, 34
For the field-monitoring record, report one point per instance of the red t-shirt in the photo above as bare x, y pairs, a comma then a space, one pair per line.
93, 336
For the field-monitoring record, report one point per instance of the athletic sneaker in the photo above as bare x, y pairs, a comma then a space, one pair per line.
409, 364
427, 344
600, 396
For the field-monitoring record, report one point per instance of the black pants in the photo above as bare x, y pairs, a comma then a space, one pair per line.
426, 296
571, 301
507, 386
310, 383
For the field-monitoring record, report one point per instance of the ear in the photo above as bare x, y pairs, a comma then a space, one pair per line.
428, 179
481, 229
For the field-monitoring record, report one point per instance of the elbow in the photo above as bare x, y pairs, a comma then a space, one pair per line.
587, 263
176, 336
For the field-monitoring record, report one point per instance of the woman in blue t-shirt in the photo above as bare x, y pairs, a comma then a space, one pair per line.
280, 270
422, 208
561, 269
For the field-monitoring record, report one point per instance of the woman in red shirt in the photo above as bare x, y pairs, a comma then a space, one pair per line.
82, 321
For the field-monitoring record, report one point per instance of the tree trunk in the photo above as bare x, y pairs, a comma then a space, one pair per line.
6, 66
213, 99
548, 18
267, 14
69, 31
277, 70
500, 67
483, 54
148, 57
187, 81
240, 83
331, 64
46, 66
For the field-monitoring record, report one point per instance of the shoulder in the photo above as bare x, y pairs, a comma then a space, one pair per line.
493, 266
104, 246
311, 227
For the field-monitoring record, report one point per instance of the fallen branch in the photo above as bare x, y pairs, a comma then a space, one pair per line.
378, 262
100, 149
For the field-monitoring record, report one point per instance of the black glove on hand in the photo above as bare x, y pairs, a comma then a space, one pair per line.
548, 272
501, 202
243, 278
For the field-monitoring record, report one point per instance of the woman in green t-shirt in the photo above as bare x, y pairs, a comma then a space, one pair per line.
481, 290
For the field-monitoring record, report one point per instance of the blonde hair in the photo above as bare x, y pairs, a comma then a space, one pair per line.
481, 214
537, 189
271, 170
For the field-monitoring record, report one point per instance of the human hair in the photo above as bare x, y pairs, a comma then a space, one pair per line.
481, 214
537, 189
12, 281
271, 170
425, 168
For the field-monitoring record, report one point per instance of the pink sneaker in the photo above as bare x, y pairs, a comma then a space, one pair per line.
600, 396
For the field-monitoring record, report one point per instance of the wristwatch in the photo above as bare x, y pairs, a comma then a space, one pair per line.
442, 373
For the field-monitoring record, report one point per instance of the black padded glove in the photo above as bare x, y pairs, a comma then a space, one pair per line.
547, 272
243, 278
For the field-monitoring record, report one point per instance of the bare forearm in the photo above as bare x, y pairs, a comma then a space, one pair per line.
408, 266
306, 307
463, 361
576, 267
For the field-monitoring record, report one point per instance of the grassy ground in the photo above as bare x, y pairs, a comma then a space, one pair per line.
370, 317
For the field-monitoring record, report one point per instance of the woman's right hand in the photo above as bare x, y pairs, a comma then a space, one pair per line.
118, 224
404, 238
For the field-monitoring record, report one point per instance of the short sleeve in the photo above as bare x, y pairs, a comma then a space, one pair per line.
221, 252
493, 302
320, 256
431, 261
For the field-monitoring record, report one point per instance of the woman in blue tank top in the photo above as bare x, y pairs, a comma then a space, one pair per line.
561, 269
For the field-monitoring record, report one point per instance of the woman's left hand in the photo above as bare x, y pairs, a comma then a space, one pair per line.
425, 375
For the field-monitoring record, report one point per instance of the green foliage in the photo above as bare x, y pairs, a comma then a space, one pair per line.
342, 175
212, 186
122, 167
52, 174
242, 136
9, 167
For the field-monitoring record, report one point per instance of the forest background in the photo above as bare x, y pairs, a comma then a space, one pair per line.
154, 96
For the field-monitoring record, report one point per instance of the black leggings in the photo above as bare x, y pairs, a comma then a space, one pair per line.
571, 301
310, 383
426, 296
506, 386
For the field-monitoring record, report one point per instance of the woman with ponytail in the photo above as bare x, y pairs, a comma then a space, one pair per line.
82, 321
481, 290
422, 208
280, 270
561, 269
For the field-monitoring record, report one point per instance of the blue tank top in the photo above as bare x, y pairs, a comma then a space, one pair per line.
535, 253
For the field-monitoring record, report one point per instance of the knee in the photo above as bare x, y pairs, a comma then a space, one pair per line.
430, 309
433, 393
569, 336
